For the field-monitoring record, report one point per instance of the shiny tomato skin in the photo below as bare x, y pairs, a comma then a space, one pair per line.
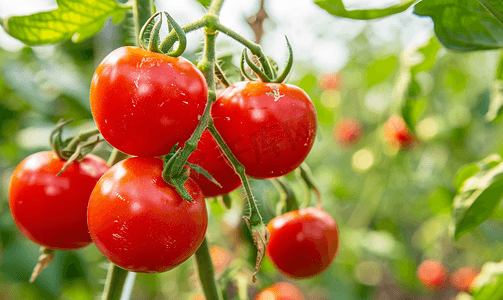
51, 210
269, 127
281, 291
141, 223
210, 157
303, 243
144, 103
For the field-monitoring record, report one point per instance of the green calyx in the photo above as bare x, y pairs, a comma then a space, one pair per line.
75, 148
151, 33
260, 73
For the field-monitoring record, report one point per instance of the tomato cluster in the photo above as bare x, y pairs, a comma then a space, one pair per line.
144, 104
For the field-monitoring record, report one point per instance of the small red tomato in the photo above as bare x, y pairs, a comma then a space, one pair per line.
51, 210
432, 274
303, 243
269, 127
463, 278
281, 291
397, 133
210, 157
348, 132
329, 81
144, 103
141, 223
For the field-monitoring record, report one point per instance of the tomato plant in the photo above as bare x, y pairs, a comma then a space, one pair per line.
51, 210
269, 127
432, 274
463, 278
348, 132
281, 291
141, 223
397, 133
144, 103
210, 157
303, 243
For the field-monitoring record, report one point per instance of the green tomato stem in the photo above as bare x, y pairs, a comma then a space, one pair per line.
82, 136
259, 232
254, 215
207, 273
221, 75
115, 283
172, 36
215, 7
254, 48
207, 66
288, 200
142, 10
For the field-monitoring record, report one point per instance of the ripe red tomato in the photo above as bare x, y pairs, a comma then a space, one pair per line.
463, 278
210, 157
141, 223
397, 133
432, 274
51, 210
281, 291
348, 132
144, 103
303, 243
269, 127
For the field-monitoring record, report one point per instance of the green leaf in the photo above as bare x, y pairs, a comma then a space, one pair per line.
75, 19
464, 25
380, 70
463, 174
488, 285
477, 199
337, 8
495, 7
476, 170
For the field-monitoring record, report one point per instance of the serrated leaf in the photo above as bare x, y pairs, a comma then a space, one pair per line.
73, 19
477, 199
337, 8
488, 285
463, 25
495, 111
